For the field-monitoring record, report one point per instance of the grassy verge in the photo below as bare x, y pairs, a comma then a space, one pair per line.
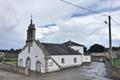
11, 60
116, 62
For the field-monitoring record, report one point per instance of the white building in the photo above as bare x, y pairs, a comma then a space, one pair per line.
80, 49
48, 57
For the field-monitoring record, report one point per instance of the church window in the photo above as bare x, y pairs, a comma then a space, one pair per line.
75, 60
28, 63
36, 56
63, 61
28, 49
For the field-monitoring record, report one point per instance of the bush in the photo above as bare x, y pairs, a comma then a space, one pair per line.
1, 58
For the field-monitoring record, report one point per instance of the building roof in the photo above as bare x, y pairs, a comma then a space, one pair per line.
71, 43
87, 54
58, 49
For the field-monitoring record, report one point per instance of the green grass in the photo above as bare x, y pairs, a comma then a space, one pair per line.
9, 60
1, 55
12, 62
116, 62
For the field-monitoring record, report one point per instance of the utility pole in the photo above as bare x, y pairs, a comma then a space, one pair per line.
110, 38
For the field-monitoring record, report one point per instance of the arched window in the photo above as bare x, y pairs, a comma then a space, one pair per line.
38, 66
28, 63
21, 62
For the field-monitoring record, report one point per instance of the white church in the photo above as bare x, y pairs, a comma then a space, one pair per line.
48, 57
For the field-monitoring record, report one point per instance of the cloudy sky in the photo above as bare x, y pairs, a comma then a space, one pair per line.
57, 22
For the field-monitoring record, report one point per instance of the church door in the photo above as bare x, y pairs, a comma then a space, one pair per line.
28, 63
21, 62
38, 66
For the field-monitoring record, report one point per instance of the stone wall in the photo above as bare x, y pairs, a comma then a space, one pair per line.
113, 72
13, 68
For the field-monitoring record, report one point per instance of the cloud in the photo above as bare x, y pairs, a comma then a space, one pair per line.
43, 32
8, 22
57, 21
86, 30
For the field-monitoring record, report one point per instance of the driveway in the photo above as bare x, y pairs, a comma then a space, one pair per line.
93, 71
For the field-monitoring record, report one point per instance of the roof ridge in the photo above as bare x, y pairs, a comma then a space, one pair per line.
70, 43
50, 43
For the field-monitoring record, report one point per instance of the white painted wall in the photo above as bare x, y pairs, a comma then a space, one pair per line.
69, 60
52, 66
35, 55
86, 58
79, 48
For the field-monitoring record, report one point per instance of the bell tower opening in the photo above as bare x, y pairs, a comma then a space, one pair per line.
30, 33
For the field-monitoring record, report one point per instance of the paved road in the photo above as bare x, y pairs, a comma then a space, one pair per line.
94, 71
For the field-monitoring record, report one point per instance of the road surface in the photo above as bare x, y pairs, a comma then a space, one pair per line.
94, 71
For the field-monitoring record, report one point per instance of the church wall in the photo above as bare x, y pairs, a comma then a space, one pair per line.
68, 60
35, 55
23, 55
52, 66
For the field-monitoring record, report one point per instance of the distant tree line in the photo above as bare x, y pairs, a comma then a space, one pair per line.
97, 48
11, 50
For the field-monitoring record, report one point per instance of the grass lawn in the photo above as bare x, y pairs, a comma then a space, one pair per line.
12, 62
116, 62
8, 60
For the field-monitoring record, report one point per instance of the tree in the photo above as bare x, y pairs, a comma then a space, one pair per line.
85, 49
11, 50
96, 48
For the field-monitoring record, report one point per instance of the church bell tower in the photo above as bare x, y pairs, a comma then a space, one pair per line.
30, 33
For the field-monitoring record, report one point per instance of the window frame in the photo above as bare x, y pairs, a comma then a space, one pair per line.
63, 60
75, 60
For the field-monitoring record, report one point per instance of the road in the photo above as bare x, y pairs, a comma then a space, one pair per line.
94, 71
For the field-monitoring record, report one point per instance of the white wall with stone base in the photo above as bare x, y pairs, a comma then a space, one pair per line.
68, 60
35, 54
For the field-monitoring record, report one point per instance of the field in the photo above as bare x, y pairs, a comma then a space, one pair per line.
9, 60
116, 62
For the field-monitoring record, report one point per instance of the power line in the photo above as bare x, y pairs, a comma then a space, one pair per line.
78, 6
111, 5
95, 31
115, 21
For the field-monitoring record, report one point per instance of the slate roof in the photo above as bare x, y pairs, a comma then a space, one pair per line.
58, 49
71, 43
87, 54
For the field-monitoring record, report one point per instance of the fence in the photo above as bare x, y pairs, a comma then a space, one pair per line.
13, 68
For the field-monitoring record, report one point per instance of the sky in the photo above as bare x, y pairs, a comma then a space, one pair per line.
58, 22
